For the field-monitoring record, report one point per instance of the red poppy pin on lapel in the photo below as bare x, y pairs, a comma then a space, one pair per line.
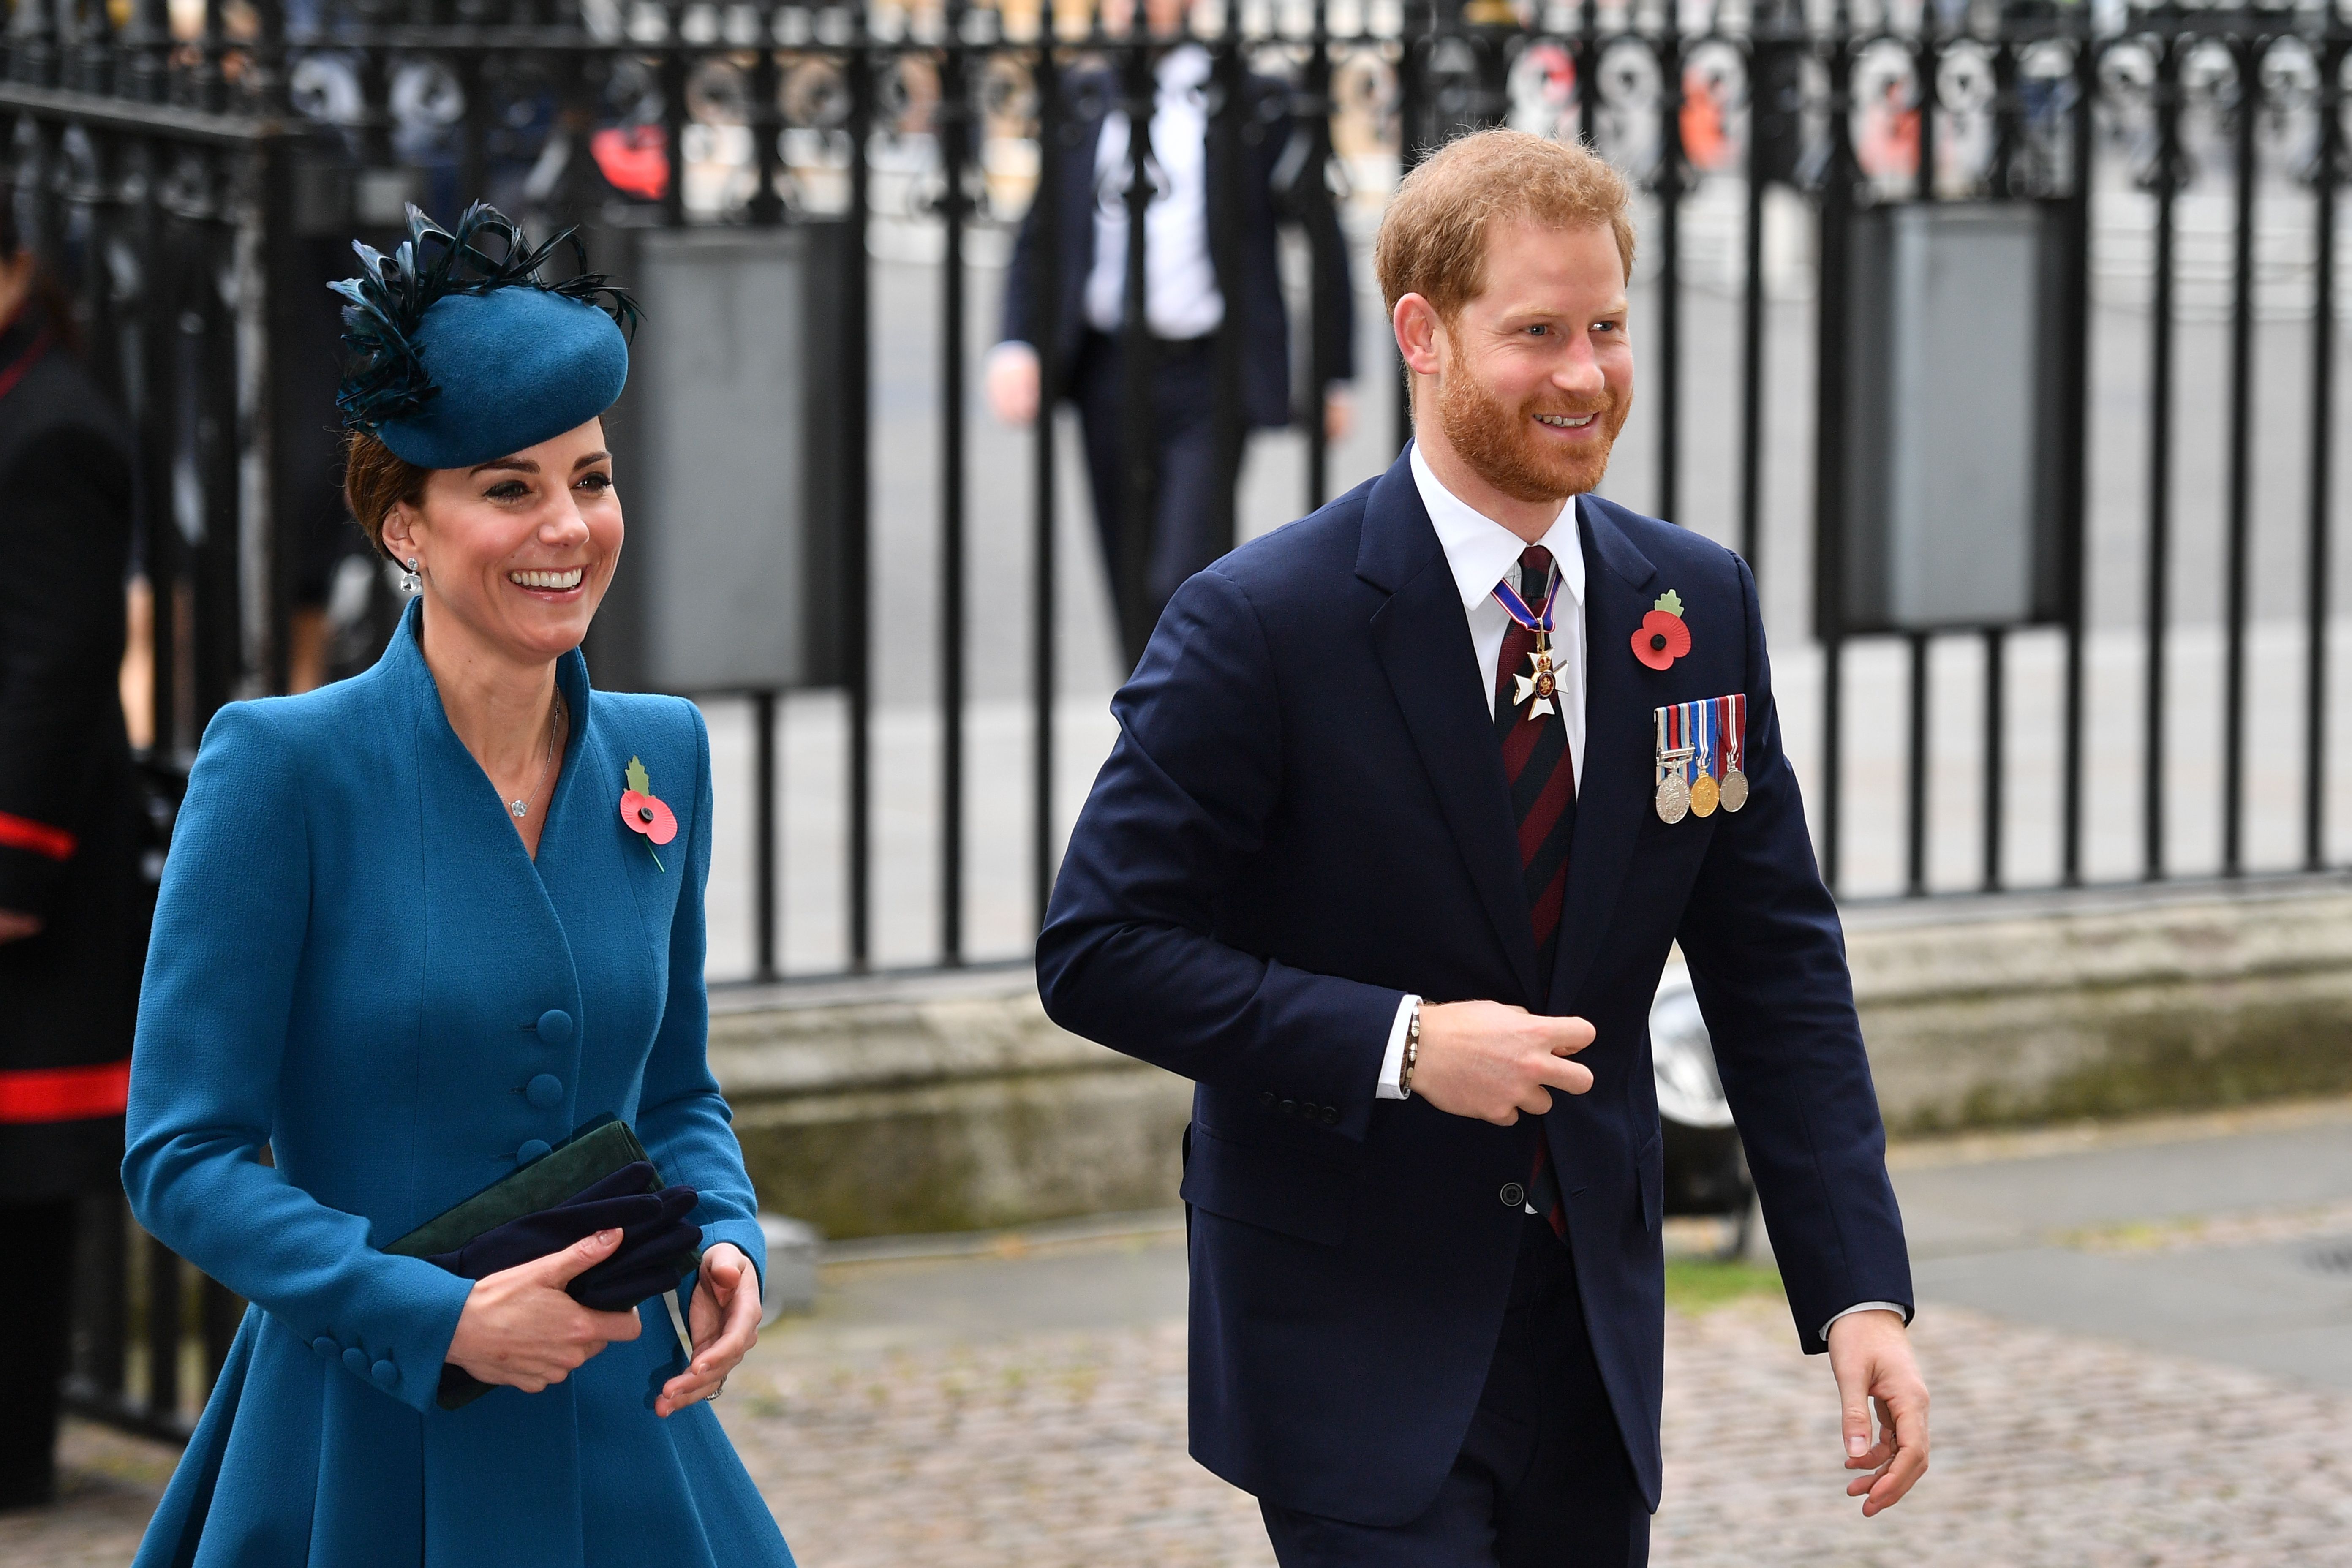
648, 818
1663, 637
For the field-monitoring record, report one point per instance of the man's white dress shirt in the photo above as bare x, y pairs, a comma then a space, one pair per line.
1180, 299
1480, 552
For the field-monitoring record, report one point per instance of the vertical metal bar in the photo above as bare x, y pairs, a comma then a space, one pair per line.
1925, 64
1412, 100
2247, 52
102, 1298
1837, 192
1045, 311
856, 492
951, 117
1225, 151
1669, 189
1139, 429
1313, 109
2325, 173
1996, 738
1761, 83
2073, 460
2165, 182
763, 849
164, 1330
767, 119
1915, 789
672, 76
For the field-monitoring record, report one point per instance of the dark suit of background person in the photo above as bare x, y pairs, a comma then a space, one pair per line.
1304, 820
1188, 299
68, 854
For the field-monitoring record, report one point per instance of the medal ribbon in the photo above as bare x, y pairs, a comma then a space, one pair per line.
1734, 737
1517, 608
1704, 762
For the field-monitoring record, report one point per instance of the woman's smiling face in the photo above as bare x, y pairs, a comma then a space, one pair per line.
519, 550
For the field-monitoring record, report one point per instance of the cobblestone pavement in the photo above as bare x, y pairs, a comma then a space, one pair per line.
2050, 1450
1068, 1449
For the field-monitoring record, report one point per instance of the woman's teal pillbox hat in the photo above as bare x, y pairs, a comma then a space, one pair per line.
461, 354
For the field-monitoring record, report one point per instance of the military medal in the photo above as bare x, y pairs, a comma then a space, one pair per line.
1675, 753
1735, 740
1539, 688
1704, 795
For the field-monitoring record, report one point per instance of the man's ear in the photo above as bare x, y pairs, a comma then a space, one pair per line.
1420, 334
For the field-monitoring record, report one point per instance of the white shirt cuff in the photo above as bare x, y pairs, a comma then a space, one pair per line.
1392, 1063
1893, 1306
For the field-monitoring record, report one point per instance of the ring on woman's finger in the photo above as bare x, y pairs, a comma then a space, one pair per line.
716, 1389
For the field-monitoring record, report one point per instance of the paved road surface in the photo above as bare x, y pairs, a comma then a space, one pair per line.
2136, 1335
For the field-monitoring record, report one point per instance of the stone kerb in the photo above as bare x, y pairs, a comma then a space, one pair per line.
951, 1102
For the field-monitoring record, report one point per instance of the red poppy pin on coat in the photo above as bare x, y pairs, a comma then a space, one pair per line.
644, 815
1663, 637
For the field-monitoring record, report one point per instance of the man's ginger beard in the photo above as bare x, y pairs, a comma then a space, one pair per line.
1499, 442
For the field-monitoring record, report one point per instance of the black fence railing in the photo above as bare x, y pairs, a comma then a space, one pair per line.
2153, 697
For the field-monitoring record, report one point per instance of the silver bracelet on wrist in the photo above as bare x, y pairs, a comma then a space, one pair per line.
1411, 1051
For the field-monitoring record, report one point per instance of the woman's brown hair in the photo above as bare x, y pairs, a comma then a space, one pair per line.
375, 482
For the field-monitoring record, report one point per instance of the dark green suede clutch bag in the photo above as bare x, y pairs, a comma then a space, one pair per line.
589, 1155
594, 1151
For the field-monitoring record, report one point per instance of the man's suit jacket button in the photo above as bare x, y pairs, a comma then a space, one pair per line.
1266, 1101
536, 1149
356, 1358
325, 1347
1290, 1108
385, 1374
1330, 1116
1514, 1196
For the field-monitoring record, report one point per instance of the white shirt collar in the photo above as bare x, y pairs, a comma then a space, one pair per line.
1479, 549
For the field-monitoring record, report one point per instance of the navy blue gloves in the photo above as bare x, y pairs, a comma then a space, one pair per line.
657, 1245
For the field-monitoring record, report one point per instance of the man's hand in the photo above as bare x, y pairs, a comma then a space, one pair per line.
1871, 1355
1012, 376
1492, 1061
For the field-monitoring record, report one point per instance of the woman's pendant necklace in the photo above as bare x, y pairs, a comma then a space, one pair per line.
520, 809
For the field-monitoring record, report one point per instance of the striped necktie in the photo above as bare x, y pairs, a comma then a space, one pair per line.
1542, 777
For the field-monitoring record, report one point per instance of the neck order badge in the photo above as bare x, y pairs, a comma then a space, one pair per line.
1541, 684
1700, 746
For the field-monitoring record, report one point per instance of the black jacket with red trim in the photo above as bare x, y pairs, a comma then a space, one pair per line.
68, 797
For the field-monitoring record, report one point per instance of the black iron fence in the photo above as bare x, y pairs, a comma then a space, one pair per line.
2125, 672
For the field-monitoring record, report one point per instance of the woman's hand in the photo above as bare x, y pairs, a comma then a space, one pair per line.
519, 1329
726, 1323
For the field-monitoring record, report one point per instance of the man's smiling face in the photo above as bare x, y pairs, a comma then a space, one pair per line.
1537, 374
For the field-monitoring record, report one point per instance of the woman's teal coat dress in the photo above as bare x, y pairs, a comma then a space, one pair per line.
356, 965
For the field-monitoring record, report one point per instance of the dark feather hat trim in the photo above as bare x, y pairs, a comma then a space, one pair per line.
384, 306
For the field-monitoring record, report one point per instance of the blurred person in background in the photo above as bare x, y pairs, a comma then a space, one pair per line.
1188, 300
70, 931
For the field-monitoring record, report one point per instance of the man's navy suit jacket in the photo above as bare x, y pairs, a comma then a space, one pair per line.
1305, 818
1273, 185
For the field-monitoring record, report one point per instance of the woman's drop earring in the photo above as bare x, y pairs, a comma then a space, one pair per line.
408, 580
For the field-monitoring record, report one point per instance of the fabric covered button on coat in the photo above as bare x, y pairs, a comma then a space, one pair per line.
555, 1027
545, 1092
536, 1149
356, 1358
385, 1374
